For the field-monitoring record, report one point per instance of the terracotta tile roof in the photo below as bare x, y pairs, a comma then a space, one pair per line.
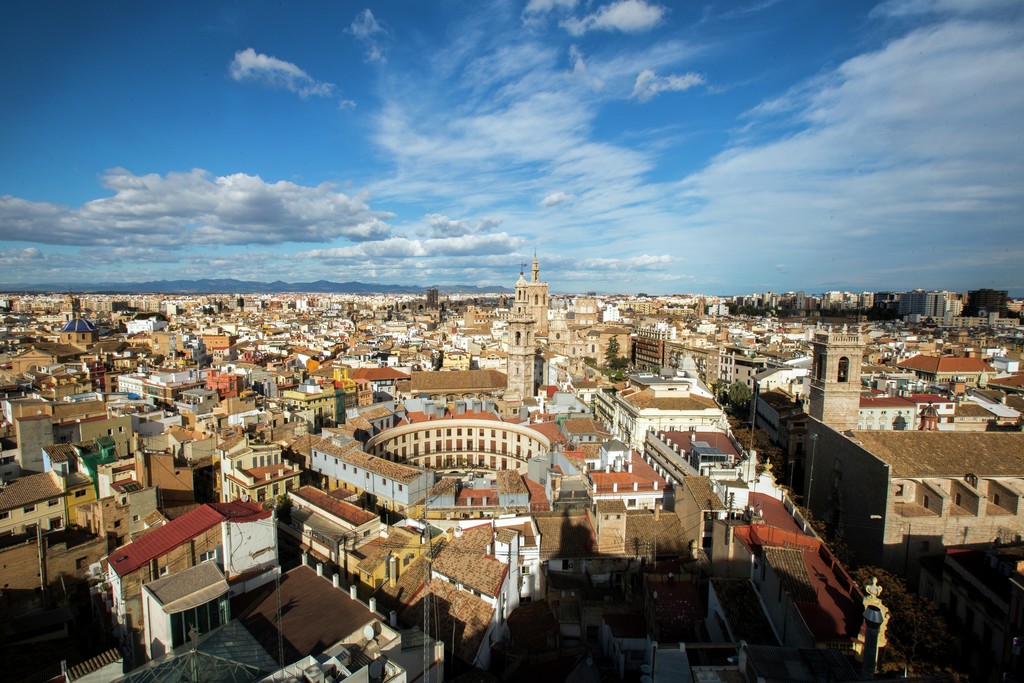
550, 430
378, 374
352, 514
373, 553
359, 422
469, 380
583, 425
665, 535
386, 468
331, 447
646, 399
469, 615
446, 486
538, 497
566, 537
971, 409
942, 454
788, 564
465, 560
703, 494
61, 452
944, 364
27, 490
376, 413
510, 482
1012, 382
409, 583
229, 443
161, 540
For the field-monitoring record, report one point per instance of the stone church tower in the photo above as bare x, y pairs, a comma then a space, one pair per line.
835, 378
522, 331
537, 298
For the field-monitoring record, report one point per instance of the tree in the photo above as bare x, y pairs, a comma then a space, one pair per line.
739, 394
918, 636
611, 354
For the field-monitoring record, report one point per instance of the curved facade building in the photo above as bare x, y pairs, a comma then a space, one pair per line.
460, 444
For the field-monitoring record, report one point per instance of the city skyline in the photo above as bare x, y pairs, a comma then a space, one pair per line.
715, 148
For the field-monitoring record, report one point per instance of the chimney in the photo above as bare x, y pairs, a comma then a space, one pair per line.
636, 486
657, 512
872, 624
615, 487
392, 571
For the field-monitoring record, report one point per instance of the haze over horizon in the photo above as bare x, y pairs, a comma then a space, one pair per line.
712, 147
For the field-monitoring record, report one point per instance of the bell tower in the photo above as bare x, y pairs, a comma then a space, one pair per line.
521, 336
537, 298
835, 378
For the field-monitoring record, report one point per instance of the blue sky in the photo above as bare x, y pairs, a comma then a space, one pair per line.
718, 147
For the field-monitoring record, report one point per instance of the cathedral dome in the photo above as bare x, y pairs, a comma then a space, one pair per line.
78, 325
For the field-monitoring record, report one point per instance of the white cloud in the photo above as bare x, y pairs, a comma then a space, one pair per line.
556, 198
545, 6
902, 150
627, 16
443, 226
910, 8
404, 247
368, 32
249, 65
19, 257
648, 84
195, 207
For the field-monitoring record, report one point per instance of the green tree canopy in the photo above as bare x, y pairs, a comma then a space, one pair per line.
611, 353
739, 394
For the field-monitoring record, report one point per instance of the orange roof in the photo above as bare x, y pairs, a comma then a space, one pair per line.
938, 364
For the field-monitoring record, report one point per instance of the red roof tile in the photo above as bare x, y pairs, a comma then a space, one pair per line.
945, 364
352, 514
130, 557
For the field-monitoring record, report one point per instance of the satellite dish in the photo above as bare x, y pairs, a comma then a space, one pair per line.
368, 632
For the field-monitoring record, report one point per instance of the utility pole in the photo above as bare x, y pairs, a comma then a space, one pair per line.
42, 561
427, 654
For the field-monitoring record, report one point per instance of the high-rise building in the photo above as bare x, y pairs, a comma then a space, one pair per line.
924, 303
986, 301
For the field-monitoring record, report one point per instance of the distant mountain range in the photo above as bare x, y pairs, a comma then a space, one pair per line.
228, 286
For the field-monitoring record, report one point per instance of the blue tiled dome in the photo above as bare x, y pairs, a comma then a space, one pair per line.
78, 325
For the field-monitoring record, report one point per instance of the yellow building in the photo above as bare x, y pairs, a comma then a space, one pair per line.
384, 559
323, 404
347, 385
256, 472
31, 502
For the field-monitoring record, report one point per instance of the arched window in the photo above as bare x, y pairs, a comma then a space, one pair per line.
844, 370
519, 337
